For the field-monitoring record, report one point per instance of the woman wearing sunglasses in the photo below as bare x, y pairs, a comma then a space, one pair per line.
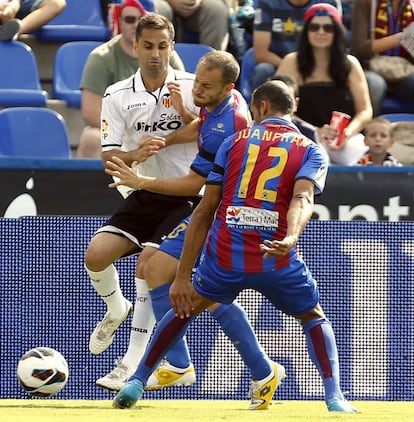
329, 80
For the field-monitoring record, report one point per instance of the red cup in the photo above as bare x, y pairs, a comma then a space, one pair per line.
339, 121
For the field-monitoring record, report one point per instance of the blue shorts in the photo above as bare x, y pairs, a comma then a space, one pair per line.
173, 243
292, 289
27, 6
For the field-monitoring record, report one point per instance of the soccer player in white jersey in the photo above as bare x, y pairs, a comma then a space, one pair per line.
139, 118
156, 101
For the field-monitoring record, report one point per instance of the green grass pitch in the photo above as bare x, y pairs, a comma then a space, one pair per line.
52, 410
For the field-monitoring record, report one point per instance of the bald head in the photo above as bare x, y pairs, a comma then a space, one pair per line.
277, 96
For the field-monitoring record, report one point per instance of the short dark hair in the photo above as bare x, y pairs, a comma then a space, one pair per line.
288, 80
224, 61
154, 21
277, 94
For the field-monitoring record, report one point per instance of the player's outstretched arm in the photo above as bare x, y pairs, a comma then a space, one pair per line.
185, 134
181, 290
125, 175
150, 145
188, 185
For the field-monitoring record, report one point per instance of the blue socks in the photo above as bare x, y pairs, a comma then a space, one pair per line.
179, 355
233, 321
235, 324
322, 350
169, 332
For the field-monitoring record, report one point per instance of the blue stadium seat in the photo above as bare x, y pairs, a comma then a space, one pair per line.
19, 76
392, 105
70, 60
399, 117
246, 70
191, 53
33, 132
80, 21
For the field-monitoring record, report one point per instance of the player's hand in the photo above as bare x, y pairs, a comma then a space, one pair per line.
148, 146
181, 297
177, 98
124, 175
277, 248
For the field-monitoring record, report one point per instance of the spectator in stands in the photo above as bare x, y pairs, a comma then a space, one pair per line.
148, 5
347, 6
111, 62
378, 139
24, 16
240, 27
388, 25
276, 29
207, 18
329, 80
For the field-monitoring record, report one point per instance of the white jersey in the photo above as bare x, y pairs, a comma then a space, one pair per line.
129, 112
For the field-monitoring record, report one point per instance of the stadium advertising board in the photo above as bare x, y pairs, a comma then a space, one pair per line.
364, 270
80, 187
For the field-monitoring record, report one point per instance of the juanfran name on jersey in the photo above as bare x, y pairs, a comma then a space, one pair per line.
284, 134
249, 218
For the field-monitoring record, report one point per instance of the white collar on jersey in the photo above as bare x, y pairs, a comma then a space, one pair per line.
172, 75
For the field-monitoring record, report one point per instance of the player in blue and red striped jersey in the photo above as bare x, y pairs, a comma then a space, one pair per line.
259, 198
223, 112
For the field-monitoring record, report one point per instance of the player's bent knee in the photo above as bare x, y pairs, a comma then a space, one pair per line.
160, 269
157, 276
95, 260
100, 254
315, 313
152, 274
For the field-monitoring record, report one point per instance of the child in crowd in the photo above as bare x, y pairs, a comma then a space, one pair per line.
378, 139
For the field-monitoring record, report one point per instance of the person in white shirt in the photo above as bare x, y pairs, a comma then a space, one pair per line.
140, 116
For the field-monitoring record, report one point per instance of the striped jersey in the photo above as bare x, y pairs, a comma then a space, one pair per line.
257, 168
226, 119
